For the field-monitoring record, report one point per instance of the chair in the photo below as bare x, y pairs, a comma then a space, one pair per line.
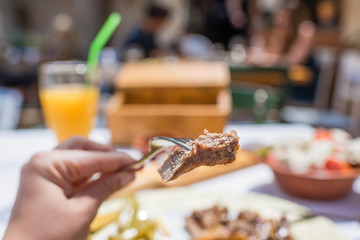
347, 87
251, 84
255, 103
326, 58
268, 77
345, 106
10, 108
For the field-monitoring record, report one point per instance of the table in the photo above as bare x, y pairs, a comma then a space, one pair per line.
16, 147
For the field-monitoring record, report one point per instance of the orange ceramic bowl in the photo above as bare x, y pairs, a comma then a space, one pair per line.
315, 184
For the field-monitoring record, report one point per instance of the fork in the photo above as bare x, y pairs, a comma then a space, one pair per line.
155, 148
181, 142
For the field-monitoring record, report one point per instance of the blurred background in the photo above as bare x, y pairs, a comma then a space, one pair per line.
294, 61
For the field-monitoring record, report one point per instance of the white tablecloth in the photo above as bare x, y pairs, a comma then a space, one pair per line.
16, 147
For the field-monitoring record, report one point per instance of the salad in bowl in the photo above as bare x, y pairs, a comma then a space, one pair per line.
322, 166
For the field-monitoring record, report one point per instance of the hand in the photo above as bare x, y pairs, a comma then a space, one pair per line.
83, 144
58, 195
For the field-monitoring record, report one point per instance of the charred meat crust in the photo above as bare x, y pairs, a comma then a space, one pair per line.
208, 149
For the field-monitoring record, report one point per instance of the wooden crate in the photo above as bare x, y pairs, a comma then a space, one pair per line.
171, 95
183, 98
128, 121
172, 83
178, 74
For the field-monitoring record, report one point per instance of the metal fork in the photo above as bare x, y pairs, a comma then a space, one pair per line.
157, 145
178, 141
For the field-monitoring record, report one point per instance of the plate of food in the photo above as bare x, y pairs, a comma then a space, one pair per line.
321, 167
183, 213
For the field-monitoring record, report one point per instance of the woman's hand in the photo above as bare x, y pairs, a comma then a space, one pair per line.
59, 194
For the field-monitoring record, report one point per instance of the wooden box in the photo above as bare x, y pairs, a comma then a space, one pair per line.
183, 98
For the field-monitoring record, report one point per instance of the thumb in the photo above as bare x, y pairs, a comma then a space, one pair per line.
96, 192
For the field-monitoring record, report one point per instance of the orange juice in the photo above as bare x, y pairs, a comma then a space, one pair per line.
70, 110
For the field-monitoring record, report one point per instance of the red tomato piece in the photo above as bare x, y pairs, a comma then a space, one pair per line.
332, 164
323, 134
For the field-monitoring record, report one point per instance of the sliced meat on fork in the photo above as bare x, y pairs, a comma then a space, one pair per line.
209, 149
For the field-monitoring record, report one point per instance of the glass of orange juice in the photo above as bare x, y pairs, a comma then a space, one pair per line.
69, 102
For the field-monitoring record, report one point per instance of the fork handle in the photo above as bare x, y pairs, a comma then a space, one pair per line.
141, 163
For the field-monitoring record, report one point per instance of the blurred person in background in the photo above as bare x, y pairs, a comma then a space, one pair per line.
143, 38
225, 19
287, 43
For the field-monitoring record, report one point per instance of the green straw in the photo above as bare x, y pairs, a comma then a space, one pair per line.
98, 44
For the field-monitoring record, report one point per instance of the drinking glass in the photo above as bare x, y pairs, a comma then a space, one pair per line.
69, 101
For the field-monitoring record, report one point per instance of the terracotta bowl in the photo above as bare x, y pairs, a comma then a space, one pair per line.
315, 184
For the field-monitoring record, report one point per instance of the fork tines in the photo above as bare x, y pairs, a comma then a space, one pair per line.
178, 141
184, 140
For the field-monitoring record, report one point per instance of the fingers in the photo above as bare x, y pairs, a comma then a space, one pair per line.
75, 165
94, 146
95, 193
82, 143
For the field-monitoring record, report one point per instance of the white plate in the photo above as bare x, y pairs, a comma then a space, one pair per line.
171, 206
